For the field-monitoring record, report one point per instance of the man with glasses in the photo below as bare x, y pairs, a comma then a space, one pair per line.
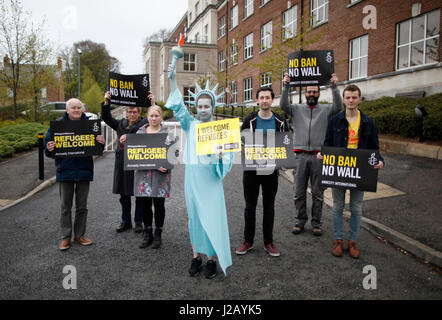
124, 180
310, 122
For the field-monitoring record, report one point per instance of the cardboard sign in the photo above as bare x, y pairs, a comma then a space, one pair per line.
218, 136
131, 91
310, 67
150, 151
350, 168
267, 151
76, 138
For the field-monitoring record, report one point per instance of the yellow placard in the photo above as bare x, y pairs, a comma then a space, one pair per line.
218, 136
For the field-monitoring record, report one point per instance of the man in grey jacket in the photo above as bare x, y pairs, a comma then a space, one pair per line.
310, 124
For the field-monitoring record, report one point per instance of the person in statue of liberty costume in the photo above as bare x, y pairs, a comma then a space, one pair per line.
203, 183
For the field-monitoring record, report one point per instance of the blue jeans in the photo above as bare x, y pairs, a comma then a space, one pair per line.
356, 198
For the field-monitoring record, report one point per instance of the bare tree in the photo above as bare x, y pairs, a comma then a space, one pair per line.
40, 72
14, 32
159, 36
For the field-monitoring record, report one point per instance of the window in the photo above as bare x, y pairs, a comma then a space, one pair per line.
248, 8
358, 57
197, 37
197, 9
223, 98
263, 2
44, 94
222, 61
266, 36
248, 89
289, 18
248, 46
234, 17
319, 11
187, 96
234, 54
189, 62
234, 92
265, 80
206, 34
222, 26
418, 40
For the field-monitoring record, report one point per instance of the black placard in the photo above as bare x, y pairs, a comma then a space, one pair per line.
150, 151
267, 150
129, 90
349, 168
76, 138
310, 67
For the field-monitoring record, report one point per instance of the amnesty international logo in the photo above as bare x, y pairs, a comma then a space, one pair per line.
373, 160
286, 140
329, 58
95, 128
145, 82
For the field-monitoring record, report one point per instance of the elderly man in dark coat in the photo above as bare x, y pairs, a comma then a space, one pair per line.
123, 180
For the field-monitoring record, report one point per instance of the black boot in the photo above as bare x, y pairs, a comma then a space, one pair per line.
147, 238
157, 238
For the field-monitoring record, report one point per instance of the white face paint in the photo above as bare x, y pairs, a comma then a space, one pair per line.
204, 109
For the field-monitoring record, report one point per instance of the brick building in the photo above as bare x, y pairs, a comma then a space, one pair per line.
387, 48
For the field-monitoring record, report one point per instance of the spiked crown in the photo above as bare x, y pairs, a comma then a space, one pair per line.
208, 92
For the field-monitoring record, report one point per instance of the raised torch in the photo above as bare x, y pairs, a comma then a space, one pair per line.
177, 53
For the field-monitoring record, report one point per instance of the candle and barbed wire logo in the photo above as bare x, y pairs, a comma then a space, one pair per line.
96, 128
145, 82
373, 160
329, 57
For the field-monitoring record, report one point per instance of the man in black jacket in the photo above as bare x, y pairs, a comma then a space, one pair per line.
124, 180
263, 120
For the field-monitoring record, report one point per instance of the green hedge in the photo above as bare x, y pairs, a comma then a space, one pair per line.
397, 115
19, 137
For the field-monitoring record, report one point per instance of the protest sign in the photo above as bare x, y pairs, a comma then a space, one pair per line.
218, 136
267, 150
76, 138
350, 168
310, 67
150, 151
129, 90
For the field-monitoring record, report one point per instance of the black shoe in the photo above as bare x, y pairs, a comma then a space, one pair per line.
297, 229
317, 231
147, 238
195, 266
124, 227
210, 271
157, 238
138, 228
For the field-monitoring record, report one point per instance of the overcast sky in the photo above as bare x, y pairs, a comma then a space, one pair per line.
120, 25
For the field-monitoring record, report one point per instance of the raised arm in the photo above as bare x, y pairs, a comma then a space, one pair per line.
337, 99
106, 112
285, 103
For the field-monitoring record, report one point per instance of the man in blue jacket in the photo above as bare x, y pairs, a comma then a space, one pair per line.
354, 130
74, 176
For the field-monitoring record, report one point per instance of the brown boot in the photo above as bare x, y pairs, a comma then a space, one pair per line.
337, 248
352, 250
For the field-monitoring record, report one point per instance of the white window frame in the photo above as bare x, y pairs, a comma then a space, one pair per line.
359, 57
234, 54
234, 92
234, 17
223, 98
186, 96
197, 8
189, 62
222, 27
316, 9
410, 43
263, 2
248, 90
265, 80
248, 46
266, 36
248, 8
289, 27
222, 60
